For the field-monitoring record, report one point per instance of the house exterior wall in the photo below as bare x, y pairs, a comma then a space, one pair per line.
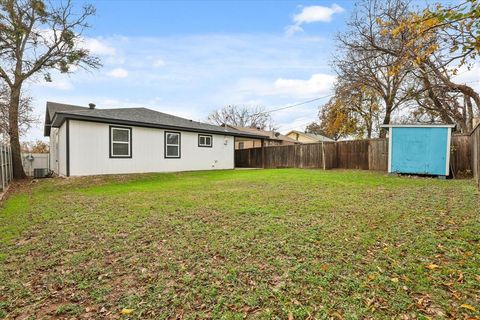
61, 164
90, 153
301, 138
53, 149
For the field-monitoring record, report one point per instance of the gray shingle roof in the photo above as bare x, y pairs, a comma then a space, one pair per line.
57, 113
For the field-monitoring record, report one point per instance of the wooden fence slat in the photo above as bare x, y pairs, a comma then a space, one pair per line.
6, 168
2, 163
369, 154
475, 153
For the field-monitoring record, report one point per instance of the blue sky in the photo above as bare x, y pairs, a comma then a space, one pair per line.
189, 58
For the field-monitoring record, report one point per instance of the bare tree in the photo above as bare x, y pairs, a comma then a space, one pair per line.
243, 116
436, 43
358, 62
26, 116
36, 38
37, 146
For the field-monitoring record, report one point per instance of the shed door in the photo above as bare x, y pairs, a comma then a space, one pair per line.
419, 150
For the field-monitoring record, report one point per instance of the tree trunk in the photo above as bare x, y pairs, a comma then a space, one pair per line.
13, 132
386, 119
470, 115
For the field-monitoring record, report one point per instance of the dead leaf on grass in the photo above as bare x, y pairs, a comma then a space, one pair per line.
469, 307
127, 311
432, 266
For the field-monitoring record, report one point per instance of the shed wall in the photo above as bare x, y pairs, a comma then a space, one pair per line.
420, 150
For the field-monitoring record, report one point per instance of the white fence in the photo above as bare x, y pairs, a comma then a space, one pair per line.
6, 169
32, 161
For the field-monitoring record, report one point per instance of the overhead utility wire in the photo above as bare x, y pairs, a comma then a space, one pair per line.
294, 105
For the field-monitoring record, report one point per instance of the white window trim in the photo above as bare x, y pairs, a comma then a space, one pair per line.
205, 136
173, 144
129, 142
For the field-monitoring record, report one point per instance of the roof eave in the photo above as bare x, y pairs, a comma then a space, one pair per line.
60, 117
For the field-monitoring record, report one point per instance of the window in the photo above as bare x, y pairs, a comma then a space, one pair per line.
241, 145
172, 144
120, 142
205, 140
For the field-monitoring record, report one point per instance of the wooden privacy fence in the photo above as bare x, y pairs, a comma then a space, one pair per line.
358, 154
6, 170
369, 154
475, 147
32, 161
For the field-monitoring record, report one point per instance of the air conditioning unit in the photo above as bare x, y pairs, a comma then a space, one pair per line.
41, 173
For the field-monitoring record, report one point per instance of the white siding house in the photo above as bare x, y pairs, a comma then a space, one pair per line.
88, 141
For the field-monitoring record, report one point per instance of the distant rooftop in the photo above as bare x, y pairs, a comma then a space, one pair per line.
271, 134
314, 136
57, 113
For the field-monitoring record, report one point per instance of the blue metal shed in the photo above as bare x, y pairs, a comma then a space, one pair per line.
419, 149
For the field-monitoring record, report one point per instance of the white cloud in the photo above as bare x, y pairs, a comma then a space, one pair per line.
158, 63
99, 47
60, 84
202, 72
470, 77
292, 29
317, 14
312, 14
318, 84
118, 73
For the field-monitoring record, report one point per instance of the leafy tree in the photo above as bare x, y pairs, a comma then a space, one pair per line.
360, 64
37, 146
243, 116
353, 111
37, 37
436, 43
26, 117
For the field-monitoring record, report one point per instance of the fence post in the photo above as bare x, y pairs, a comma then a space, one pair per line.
10, 161
2, 164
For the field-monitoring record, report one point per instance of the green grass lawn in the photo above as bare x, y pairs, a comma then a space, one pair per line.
285, 243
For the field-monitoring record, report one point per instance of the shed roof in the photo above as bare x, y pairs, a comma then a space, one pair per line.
57, 113
418, 125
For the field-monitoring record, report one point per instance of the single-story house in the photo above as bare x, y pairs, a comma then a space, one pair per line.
305, 137
273, 138
90, 141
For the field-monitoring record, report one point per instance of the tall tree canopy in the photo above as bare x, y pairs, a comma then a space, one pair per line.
243, 116
408, 59
438, 42
359, 65
37, 37
26, 116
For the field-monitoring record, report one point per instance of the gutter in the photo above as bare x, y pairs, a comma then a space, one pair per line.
64, 116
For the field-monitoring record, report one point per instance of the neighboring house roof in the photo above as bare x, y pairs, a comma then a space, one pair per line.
57, 113
313, 136
270, 134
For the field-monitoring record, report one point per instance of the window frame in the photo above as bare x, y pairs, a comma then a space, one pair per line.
166, 156
201, 135
111, 142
